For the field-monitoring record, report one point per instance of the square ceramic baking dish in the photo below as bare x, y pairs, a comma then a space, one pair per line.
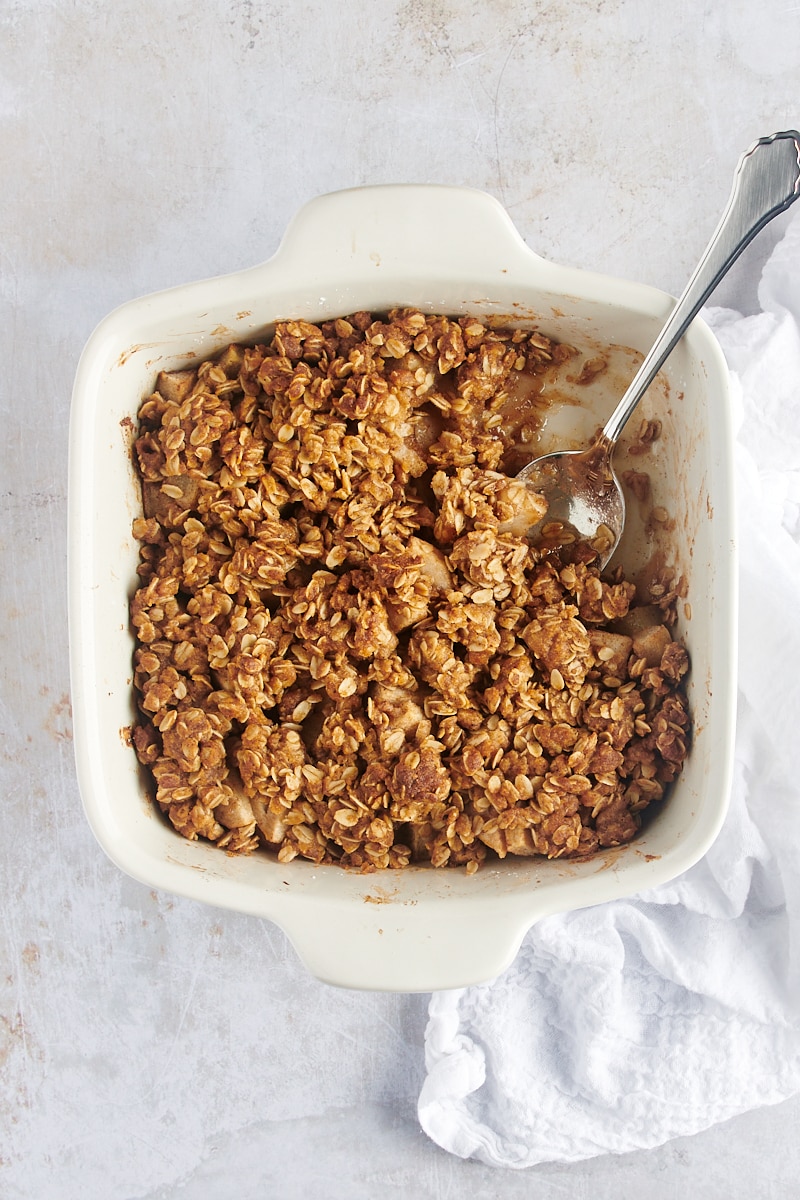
447, 250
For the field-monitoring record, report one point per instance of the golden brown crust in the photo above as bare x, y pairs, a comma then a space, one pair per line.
347, 649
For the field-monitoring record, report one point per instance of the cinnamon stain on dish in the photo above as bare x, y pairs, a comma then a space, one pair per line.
608, 859
604, 860
129, 353
381, 895
128, 434
192, 866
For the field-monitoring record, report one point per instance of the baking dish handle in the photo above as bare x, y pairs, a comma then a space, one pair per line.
405, 230
390, 944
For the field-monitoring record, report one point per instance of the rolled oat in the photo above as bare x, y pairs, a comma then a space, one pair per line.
347, 648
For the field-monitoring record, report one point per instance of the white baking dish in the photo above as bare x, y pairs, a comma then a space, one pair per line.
446, 250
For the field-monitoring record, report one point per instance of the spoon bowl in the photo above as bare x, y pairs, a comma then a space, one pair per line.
585, 502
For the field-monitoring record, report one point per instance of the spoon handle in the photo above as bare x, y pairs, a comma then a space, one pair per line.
766, 182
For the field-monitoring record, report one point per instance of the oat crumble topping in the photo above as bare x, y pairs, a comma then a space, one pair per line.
347, 649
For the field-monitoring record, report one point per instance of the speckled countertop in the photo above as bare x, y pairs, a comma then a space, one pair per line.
151, 1047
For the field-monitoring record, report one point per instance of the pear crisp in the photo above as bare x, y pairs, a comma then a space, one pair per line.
347, 649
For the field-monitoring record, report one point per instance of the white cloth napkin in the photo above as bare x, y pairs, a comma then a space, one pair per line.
624, 1025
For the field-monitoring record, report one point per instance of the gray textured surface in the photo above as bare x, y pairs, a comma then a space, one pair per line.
150, 1047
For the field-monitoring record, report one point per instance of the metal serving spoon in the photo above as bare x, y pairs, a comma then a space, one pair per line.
583, 494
